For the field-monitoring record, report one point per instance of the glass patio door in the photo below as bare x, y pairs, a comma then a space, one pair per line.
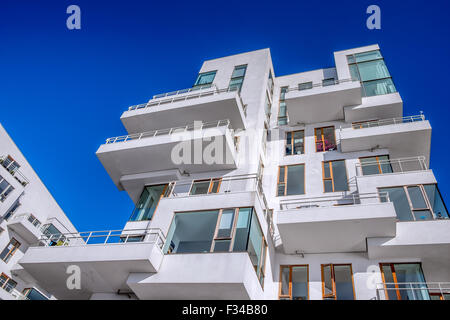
404, 281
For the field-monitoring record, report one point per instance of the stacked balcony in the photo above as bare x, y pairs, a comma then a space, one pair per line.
26, 226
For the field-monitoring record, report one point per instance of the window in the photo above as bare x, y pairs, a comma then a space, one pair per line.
34, 221
7, 283
325, 139
404, 281
10, 164
295, 142
416, 202
267, 107
328, 82
370, 69
282, 114
270, 83
264, 139
10, 249
148, 202
366, 124
291, 180
237, 78
205, 186
205, 78
334, 176
294, 283
5, 189
12, 210
33, 294
337, 282
1, 230
375, 165
305, 86
224, 230
54, 236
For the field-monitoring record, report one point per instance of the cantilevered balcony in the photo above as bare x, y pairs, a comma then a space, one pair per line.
10, 166
177, 108
105, 259
404, 137
334, 223
322, 102
9, 292
26, 226
135, 157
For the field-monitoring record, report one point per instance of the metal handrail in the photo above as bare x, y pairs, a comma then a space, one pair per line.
169, 131
400, 165
16, 173
443, 288
389, 121
321, 84
106, 237
328, 201
184, 94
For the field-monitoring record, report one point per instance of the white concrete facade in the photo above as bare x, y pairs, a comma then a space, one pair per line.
351, 230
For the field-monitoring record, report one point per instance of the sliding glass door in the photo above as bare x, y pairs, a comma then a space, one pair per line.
404, 281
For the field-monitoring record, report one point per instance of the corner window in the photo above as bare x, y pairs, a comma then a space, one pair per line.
237, 78
371, 70
334, 176
291, 180
10, 249
205, 78
337, 282
295, 142
294, 283
325, 139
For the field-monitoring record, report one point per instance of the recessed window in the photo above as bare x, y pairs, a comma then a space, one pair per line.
375, 165
282, 114
148, 202
237, 78
416, 202
295, 142
337, 282
371, 70
205, 78
404, 281
325, 139
291, 180
294, 283
10, 249
334, 176
305, 86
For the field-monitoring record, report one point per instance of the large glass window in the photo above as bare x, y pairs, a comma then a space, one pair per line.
54, 236
416, 202
282, 114
33, 294
5, 189
7, 283
404, 281
375, 165
291, 180
205, 78
148, 202
370, 69
335, 176
12, 210
337, 282
237, 78
325, 139
10, 249
295, 142
224, 230
205, 186
294, 283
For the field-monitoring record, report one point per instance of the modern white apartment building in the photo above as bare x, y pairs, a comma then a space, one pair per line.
28, 213
313, 185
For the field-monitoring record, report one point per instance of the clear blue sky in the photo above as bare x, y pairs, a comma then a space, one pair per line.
62, 92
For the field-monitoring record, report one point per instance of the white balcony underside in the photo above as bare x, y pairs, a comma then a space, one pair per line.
403, 140
208, 108
104, 268
376, 107
334, 229
322, 104
224, 276
25, 229
124, 160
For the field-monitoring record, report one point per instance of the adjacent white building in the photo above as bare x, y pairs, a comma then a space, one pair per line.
28, 213
312, 185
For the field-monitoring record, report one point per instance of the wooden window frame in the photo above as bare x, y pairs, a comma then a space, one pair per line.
7, 282
281, 296
210, 187
394, 276
358, 124
333, 281
331, 178
285, 178
380, 171
322, 141
292, 142
231, 238
12, 251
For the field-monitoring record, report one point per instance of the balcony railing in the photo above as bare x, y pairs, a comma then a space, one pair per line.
413, 291
186, 94
14, 171
175, 130
321, 84
401, 165
11, 290
385, 122
108, 237
330, 201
